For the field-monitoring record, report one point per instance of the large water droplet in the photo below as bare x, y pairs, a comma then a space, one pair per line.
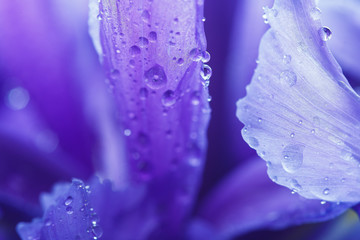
18, 98
145, 16
289, 77
168, 99
292, 157
205, 56
325, 33
155, 77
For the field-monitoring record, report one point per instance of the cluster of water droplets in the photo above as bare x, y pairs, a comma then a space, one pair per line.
198, 55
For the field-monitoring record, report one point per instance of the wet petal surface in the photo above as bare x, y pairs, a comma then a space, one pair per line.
153, 59
300, 113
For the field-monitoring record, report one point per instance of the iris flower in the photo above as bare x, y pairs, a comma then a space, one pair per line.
113, 126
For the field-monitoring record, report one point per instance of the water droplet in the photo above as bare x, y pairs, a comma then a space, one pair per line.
143, 42
313, 131
145, 16
292, 135
206, 72
155, 77
18, 98
315, 13
68, 201
292, 157
143, 92
300, 122
253, 142
203, 19
265, 17
209, 98
259, 120
97, 231
180, 61
326, 191
288, 77
134, 50
99, 17
69, 210
325, 33
168, 99
205, 56
295, 185
48, 222
343, 180
323, 202
152, 36
195, 54
287, 59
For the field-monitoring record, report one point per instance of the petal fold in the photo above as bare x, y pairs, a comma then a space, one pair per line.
300, 113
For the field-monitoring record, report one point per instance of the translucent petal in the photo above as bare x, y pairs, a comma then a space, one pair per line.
300, 113
154, 62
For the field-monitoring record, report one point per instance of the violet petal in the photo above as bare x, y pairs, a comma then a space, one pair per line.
247, 200
154, 58
38, 52
300, 113
79, 211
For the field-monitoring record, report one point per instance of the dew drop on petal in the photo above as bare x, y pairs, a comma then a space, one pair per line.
168, 99
325, 33
134, 50
315, 13
206, 72
143, 93
195, 54
287, 59
68, 201
152, 36
143, 42
292, 157
289, 77
326, 191
155, 77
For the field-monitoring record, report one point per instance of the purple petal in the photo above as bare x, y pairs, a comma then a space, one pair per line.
343, 19
300, 113
153, 60
38, 52
79, 211
247, 200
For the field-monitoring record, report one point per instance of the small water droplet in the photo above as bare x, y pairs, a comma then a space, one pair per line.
265, 17
323, 202
168, 99
134, 50
292, 157
325, 33
145, 16
99, 17
68, 201
180, 61
152, 36
206, 72
326, 191
143, 93
143, 42
287, 59
195, 98
292, 135
315, 13
288, 77
155, 77
313, 131
205, 56
97, 231
253, 142
115, 74
69, 210
203, 19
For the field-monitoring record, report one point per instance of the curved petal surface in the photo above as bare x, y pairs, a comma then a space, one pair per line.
247, 200
300, 113
153, 59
